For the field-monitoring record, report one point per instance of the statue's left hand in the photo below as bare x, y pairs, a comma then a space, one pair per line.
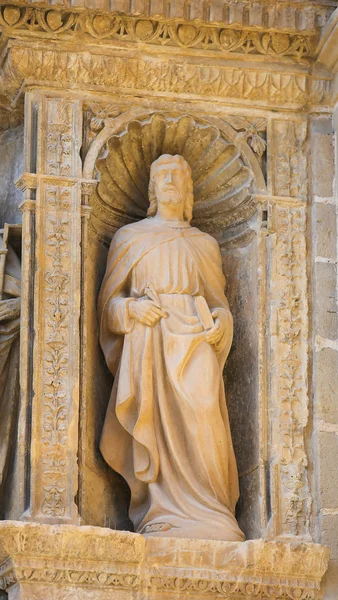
215, 334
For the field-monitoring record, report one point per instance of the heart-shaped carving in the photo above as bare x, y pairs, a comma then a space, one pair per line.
186, 34
144, 29
101, 24
54, 20
12, 14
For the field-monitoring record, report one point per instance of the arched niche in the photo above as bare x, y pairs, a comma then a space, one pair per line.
227, 176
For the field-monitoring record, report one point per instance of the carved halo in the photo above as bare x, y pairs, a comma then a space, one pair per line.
222, 182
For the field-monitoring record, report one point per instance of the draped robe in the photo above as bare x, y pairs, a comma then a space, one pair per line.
166, 429
9, 370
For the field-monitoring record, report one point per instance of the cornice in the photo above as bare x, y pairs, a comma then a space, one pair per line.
75, 26
292, 15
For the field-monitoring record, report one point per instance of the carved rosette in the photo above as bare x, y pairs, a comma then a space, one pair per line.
291, 493
56, 319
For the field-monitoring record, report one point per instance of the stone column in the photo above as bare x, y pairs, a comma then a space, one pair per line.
51, 300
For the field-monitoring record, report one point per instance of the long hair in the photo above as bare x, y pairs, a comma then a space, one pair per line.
189, 200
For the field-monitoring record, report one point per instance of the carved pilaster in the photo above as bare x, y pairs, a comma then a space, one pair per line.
291, 498
28, 184
54, 396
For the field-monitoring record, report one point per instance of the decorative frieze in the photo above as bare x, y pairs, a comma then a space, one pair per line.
287, 15
35, 555
117, 74
71, 25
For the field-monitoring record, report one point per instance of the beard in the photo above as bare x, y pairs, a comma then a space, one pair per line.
171, 196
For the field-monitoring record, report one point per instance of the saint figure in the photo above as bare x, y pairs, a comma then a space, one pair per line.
166, 331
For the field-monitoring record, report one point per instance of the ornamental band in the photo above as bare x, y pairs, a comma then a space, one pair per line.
166, 331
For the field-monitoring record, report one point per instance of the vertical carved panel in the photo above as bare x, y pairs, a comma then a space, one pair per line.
292, 499
59, 138
289, 158
55, 404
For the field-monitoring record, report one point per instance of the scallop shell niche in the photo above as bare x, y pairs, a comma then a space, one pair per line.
222, 182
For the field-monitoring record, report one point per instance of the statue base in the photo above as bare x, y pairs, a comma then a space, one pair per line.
65, 562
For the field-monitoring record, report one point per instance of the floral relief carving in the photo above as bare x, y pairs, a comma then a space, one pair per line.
59, 137
252, 132
292, 369
53, 502
55, 213
290, 158
98, 114
56, 401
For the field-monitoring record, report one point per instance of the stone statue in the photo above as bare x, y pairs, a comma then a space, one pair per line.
166, 331
10, 294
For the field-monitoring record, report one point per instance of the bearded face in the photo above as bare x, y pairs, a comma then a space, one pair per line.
170, 183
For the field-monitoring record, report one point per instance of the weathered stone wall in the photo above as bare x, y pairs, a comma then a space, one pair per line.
324, 238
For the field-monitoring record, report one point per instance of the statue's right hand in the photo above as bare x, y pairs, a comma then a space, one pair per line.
146, 312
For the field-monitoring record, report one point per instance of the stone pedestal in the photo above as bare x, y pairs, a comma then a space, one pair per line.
63, 562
